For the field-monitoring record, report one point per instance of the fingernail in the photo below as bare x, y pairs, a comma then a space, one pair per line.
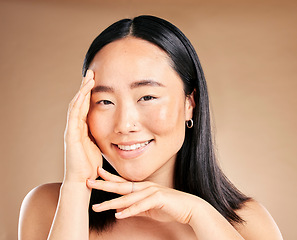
91, 181
95, 206
90, 72
118, 214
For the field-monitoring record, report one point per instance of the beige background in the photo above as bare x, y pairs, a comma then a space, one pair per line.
248, 51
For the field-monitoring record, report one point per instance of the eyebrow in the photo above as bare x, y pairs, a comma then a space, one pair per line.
142, 83
101, 88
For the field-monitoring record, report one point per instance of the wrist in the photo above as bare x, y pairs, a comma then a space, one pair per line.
76, 189
79, 178
202, 213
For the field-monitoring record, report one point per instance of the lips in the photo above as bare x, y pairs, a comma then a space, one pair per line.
132, 149
133, 146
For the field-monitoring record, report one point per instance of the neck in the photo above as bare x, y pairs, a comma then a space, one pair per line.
164, 175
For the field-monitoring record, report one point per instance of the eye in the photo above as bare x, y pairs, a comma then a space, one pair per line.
104, 102
147, 98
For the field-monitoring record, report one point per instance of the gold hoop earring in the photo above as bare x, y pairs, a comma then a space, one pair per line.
190, 123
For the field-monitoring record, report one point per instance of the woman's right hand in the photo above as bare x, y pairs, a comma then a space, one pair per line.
82, 155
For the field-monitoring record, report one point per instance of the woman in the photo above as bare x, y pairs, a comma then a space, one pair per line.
143, 109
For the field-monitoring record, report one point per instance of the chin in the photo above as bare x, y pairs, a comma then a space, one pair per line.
133, 174
131, 171
134, 177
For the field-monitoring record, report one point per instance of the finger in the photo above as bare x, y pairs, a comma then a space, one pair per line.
89, 75
124, 201
86, 103
109, 176
76, 120
141, 208
74, 108
81, 94
122, 188
87, 86
80, 98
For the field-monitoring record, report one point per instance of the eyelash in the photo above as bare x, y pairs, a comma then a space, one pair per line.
147, 98
104, 102
144, 98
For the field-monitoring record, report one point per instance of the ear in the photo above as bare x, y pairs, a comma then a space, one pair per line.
190, 105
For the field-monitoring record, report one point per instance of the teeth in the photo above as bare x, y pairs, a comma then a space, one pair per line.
133, 147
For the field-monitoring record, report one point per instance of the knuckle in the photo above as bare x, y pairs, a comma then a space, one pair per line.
70, 114
66, 134
117, 188
158, 195
70, 104
125, 200
154, 188
133, 208
148, 184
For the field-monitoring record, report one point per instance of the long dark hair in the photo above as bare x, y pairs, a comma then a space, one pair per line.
196, 169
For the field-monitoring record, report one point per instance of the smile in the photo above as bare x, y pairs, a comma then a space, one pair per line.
133, 146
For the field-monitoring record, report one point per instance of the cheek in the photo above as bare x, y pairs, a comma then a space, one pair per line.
98, 130
166, 118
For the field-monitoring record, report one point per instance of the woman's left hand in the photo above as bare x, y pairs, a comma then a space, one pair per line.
144, 199
162, 204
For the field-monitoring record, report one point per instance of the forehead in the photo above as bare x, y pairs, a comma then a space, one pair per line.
129, 47
124, 62
131, 55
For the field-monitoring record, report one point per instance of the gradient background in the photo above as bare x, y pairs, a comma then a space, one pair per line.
249, 55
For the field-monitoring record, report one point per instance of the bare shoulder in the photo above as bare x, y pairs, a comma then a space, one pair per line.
37, 211
258, 224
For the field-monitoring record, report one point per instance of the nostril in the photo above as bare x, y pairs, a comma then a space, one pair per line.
126, 119
125, 128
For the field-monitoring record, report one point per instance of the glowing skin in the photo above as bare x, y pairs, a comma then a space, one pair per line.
138, 110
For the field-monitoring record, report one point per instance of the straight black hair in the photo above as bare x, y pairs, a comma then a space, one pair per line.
196, 169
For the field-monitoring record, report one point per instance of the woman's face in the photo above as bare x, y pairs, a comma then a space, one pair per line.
138, 109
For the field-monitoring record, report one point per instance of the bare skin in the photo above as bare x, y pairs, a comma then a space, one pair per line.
119, 115
40, 205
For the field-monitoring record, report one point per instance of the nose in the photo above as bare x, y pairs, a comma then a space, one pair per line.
127, 119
